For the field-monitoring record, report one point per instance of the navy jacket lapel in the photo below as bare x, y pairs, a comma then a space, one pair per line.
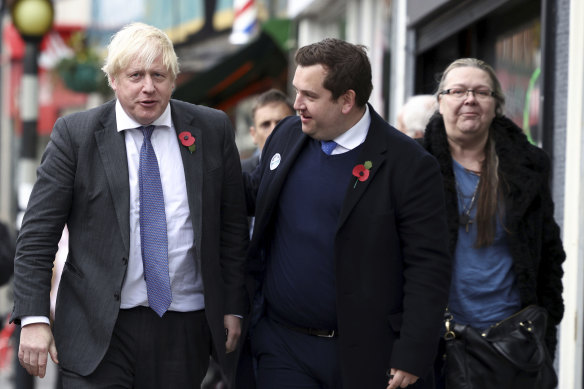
286, 151
288, 157
373, 150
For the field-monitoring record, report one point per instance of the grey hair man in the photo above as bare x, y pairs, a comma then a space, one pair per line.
415, 114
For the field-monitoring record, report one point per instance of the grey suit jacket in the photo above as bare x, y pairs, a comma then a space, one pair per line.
83, 183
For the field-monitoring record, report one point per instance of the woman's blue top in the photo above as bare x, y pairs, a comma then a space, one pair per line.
483, 289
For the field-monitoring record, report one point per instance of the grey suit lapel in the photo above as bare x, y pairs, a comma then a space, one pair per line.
193, 169
112, 149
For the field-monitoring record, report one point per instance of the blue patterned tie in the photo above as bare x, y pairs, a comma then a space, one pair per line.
328, 146
153, 239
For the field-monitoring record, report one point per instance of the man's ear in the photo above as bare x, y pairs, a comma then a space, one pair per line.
348, 101
112, 82
252, 132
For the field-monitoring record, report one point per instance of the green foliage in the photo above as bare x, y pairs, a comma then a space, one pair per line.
82, 72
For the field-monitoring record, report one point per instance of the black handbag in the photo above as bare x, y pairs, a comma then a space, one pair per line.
509, 354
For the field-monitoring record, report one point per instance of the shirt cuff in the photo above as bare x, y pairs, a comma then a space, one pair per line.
26, 320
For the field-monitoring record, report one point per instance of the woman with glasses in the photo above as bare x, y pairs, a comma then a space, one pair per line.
506, 247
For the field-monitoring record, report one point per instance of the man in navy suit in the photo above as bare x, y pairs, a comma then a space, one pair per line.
350, 242
154, 282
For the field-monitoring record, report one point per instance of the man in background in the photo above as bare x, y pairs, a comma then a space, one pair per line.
415, 114
269, 108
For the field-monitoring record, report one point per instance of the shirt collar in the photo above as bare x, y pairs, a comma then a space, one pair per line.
125, 122
355, 135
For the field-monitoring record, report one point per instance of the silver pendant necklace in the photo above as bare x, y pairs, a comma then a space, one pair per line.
464, 217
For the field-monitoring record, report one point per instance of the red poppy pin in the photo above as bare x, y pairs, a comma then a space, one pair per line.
361, 171
187, 140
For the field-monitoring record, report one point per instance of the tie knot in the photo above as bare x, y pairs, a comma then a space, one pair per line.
328, 146
147, 131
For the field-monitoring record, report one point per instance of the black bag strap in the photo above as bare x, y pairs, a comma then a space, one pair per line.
449, 334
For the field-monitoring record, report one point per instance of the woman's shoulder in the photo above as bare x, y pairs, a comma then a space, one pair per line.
512, 142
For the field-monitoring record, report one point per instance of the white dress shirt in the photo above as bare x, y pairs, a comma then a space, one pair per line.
354, 136
185, 270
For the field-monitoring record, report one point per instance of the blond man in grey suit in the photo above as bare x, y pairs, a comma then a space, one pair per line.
110, 329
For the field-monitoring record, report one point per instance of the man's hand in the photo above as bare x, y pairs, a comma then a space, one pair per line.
36, 340
232, 331
400, 379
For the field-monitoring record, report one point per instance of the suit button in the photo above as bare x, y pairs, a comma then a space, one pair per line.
125, 261
117, 296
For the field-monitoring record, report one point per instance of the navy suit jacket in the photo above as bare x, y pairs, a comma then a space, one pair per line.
391, 253
83, 182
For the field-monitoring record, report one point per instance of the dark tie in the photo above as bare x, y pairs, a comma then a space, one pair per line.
328, 146
153, 239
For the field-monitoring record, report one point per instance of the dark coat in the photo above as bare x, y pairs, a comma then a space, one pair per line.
534, 236
392, 261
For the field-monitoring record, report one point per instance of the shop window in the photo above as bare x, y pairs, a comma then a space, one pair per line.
518, 67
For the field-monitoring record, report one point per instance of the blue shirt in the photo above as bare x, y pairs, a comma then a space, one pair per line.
484, 288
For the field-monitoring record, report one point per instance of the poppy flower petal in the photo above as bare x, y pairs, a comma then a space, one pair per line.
358, 170
186, 138
364, 176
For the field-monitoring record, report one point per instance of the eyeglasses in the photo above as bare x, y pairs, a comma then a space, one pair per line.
461, 93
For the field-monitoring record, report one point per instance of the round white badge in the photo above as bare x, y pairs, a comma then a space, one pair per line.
275, 161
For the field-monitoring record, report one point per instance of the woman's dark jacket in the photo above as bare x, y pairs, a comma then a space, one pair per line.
533, 235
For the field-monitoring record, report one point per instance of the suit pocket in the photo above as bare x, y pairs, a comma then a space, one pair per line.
70, 268
214, 172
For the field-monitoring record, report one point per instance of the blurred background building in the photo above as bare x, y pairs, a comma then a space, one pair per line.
232, 50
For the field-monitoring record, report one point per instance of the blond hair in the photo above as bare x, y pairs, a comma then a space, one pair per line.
143, 42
